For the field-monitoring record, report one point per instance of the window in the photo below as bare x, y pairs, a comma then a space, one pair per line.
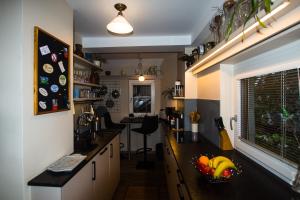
270, 113
141, 97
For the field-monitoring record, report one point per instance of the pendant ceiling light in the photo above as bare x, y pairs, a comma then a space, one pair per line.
119, 25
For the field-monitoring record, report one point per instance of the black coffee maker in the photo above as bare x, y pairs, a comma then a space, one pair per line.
85, 135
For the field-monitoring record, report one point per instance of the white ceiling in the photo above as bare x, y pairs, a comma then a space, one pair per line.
156, 22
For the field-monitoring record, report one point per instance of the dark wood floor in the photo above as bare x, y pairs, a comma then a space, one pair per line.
137, 184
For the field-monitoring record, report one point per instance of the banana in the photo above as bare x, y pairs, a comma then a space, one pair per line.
217, 160
222, 166
210, 163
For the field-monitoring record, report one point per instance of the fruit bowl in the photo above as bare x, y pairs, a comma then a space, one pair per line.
216, 169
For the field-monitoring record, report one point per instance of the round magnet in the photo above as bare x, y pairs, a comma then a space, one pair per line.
66, 53
54, 57
43, 92
44, 80
48, 68
43, 105
62, 80
54, 88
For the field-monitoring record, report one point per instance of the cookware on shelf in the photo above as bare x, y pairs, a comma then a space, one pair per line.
115, 94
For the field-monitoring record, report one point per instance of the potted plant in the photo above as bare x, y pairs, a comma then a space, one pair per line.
255, 7
168, 93
194, 118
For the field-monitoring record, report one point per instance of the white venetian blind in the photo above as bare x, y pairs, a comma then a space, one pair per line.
270, 113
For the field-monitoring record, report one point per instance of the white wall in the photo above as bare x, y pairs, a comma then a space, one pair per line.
169, 76
46, 137
209, 84
11, 173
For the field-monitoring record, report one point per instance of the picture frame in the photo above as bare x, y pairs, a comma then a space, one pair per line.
51, 73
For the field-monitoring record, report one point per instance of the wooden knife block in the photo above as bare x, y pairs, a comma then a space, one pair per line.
225, 143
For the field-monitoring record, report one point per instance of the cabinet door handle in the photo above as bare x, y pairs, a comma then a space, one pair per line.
111, 150
94, 170
180, 193
101, 153
180, 177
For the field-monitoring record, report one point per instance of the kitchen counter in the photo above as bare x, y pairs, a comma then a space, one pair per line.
52, 179
253, 183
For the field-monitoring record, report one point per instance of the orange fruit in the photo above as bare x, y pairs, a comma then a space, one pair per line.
203, 160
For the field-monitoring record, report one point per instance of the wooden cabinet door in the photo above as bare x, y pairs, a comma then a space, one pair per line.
100, 185
80, 187
114, 164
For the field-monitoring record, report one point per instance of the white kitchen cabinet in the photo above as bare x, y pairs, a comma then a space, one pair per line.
114, 162
80, 186
100, 185
176, 187
97, 180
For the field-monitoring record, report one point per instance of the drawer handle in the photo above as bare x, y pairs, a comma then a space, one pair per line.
180, 193
111, 150
101, 153
180, 177
94, 170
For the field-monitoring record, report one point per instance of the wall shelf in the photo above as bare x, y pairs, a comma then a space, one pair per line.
178, 98
82, 100
86, 62
87, 84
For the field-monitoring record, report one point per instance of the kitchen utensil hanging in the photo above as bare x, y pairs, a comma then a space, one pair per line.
115, 94
103, 90
109, 102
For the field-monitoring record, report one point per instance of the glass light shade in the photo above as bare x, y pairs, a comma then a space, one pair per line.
119, 25
141, 78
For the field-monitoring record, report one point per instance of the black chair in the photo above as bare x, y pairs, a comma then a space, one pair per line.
149, 125
110, 124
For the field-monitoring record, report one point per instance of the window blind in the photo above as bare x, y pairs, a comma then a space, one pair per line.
270, 113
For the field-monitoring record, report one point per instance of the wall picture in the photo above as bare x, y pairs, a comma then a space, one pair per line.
51, 73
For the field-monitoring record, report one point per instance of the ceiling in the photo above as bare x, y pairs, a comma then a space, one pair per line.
162, 24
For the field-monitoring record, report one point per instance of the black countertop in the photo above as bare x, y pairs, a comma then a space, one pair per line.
52, 179
253, 183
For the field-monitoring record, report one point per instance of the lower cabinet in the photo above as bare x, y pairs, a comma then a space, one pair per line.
114, 165
101, 175
81, 185
97, 180
176, 187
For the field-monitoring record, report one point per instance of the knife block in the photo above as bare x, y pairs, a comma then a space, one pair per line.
225, 143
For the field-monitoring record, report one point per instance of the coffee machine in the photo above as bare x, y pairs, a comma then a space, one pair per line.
87, 126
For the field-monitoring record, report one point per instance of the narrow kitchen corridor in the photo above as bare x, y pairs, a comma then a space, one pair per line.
141, 184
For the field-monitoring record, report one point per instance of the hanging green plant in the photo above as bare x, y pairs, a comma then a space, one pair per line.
256, 6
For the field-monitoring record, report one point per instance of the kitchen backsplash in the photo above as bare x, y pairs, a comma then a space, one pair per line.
209, 110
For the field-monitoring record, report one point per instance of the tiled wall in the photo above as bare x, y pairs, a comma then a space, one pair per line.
209, 110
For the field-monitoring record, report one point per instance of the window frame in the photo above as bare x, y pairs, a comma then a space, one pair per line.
146, 82
284, 169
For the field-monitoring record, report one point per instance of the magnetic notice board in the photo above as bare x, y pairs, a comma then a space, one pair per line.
51, 73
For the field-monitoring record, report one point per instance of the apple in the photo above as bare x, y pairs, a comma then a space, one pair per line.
204, 168
227, 173
212, 171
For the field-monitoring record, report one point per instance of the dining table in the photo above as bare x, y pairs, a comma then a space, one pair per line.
128, 121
